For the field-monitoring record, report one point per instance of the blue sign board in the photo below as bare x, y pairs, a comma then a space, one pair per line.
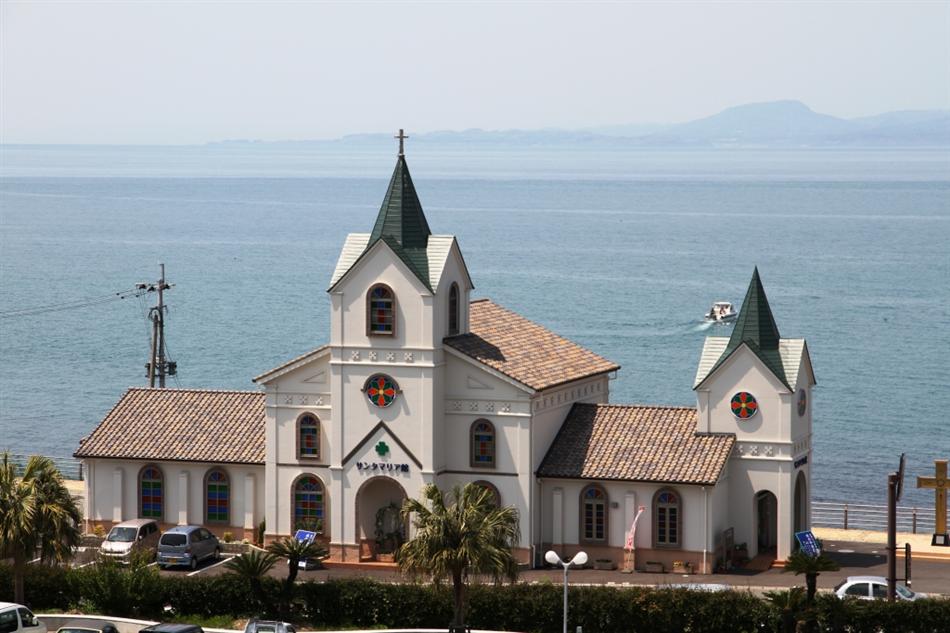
305, 536
808, 543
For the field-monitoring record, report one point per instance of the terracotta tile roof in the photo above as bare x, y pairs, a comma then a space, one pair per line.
636, 443
195, 425
523, 350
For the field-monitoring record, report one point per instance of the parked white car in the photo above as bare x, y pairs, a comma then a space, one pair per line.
15, 618
872, 588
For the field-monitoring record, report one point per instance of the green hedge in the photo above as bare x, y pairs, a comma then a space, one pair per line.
522, 607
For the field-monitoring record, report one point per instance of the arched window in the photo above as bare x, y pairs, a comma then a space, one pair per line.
308, 436
151, 493
594, 513
217, 497
454, 309
308, 506
490, 487
483, 444
380, 310
667, 519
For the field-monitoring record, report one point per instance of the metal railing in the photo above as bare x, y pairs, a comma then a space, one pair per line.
854, 516
70, 467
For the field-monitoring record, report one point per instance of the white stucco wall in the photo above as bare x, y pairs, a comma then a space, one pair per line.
102, 499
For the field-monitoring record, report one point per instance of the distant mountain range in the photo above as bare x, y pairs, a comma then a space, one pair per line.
785, 124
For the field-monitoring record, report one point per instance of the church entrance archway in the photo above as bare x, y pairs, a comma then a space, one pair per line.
801, 503
380, 528
766, 511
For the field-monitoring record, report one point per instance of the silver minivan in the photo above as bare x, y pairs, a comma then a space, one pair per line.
187, 545
142, 533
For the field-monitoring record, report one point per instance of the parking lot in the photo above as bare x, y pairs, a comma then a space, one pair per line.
929, 575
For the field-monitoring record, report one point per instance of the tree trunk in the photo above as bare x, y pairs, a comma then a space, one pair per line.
458, 590
811, 583
19, 571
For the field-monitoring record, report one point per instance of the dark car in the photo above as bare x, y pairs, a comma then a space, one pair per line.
172, 627
88, 625
187, 545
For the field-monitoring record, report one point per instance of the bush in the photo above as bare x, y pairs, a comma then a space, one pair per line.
142, 592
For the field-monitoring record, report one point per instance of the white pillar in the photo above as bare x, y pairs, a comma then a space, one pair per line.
557, 517
117, 493
183, 498
249, 502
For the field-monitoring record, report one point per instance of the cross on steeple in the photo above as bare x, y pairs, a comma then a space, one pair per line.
402, 137
940, 485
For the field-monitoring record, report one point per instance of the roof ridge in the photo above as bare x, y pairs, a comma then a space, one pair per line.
482, 300
621, 405
193, 390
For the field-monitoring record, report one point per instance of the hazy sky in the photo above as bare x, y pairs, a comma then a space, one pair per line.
183, 72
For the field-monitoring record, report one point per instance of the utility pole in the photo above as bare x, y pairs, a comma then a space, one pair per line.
158, 366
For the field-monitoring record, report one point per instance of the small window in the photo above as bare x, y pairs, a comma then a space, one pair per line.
483, 444
380, 310
878, 591
8, 621
859, 589
454, 309
666, 519
594, 513
217, 496
27, 617
308, 437
151, 493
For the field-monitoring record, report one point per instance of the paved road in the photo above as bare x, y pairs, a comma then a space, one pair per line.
856, 559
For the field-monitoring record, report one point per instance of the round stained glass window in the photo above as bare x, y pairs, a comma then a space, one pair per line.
744, 405
381, 390
802, 402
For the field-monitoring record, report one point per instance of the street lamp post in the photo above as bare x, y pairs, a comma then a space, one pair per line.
579, 559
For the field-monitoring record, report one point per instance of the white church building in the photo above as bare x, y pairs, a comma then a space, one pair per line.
421, 384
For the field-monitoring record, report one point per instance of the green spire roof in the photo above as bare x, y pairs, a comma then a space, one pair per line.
402, 224
756, 327
401, 217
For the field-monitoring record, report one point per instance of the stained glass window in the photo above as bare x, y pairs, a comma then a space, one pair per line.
308, 504
152, 493
744, 405
495, 495
218, 497
381, 390
483, 443
666, 507
380, 311
454, 309
594, 500
308, 436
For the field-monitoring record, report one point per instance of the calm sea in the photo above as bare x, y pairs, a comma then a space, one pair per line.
621, 251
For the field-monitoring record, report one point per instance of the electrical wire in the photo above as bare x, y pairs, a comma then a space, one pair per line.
73, 305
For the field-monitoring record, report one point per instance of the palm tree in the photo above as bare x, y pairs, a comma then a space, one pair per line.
36, 513
295, 551
471, 535
811, 566
789, 604
253, 567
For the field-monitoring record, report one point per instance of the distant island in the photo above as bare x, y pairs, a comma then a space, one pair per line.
779, 124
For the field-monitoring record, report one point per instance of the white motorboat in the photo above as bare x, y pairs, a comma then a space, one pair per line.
721, 311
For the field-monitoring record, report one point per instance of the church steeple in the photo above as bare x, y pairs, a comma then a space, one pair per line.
755, 327
401, 218
401, 222
755, 324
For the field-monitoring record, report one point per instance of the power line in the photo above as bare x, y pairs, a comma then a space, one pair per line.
74, 305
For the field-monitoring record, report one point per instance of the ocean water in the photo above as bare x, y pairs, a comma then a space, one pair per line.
621, 251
